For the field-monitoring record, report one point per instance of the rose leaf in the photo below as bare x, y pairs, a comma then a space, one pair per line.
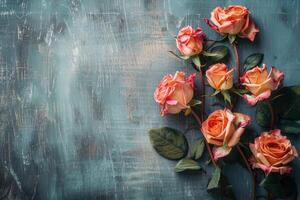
196, 60
187, 164
218, 184
263, 114
253, 60
169, 143
215, 179
216, 54
289, 126
281, 186
286, 105
198, 148
226, 96
231, 38
194, 102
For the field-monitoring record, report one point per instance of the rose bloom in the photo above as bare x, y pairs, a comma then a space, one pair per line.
260, 83
223, 129
272, 151
189, 41
234, 20
219, 77
174, 92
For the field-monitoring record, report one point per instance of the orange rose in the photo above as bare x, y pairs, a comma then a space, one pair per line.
272, 151
219, 77
260, 83
224, 129
189, 41
174, 93
234, 20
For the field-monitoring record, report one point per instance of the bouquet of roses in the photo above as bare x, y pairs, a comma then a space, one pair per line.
224, 129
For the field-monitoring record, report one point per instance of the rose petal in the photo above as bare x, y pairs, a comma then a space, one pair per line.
241, 120
219, 152
252, 100
212, 26
269, 169
229, 130
235, 138
276, 76
250, 31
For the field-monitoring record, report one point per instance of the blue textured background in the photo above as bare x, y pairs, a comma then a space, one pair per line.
76, 84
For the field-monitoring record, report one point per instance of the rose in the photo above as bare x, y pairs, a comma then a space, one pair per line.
234, 20
272, 151
223, 129
260, 83
174, 92
219, 77
189, 41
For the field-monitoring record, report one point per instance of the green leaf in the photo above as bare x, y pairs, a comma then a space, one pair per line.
216, 54
289, 126
286, 105
215, 179
198, 149
179, 56
231, 38
196, 60
238, 91
187, 164
253, 60
263, 114
188, 111
194, 102
226, 96
218, 184
281, 186
210, 43
169, 143
215, 93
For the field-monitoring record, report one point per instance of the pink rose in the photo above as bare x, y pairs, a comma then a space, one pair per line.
234, 20
174, 92
260, 83
272, 151
224, 129
189, 41
219, 77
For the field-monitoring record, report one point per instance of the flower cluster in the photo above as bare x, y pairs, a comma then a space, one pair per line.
224, 128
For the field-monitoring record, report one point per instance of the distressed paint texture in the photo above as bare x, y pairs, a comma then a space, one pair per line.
76, 84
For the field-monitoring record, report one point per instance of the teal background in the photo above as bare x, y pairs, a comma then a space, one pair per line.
77, 79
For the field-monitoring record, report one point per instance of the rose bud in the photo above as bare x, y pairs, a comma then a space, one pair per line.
189, 41
260, 83
223, 129
219, 77
174, 92
272, 151
234, 20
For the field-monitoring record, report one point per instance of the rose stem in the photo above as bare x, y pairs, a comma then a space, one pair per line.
207, 145
272, 115
250, 170
202, 94
237, 60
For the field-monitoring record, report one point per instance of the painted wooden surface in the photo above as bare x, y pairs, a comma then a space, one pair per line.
76, 83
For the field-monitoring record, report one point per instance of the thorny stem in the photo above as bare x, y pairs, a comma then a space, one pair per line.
272, 115
250, 170
237, 60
